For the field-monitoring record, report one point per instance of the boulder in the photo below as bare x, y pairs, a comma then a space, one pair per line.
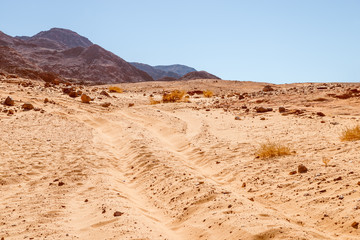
27, 106
85, 98
9, 101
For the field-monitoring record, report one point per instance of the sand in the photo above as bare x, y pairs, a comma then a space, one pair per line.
178, 170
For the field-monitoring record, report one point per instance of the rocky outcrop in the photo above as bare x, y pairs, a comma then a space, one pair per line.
198, 75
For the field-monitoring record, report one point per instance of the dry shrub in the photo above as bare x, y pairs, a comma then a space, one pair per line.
351, 134
115, 89
208, 93
153, 101
272, 149
174, 96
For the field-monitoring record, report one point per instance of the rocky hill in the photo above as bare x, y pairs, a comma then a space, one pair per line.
67, 54
176, 68
155, 73
198, 75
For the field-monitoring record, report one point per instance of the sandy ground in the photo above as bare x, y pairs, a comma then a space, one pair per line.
178, 170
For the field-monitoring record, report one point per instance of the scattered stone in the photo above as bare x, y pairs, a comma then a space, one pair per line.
282, 109
322, 87
263, 109
86, 200
341, 197
106, 104
292, 172
268, 88
10, 112
237, 118
302, 169
338, 179
104, 93
355, 225
85, 98
251, 199
262, 118
46, 100
37, 109
27, 106
118, 214
320, 114
131, 104
61, 183
9, 101
73, 94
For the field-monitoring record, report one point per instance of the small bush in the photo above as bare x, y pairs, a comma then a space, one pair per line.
115, 89
351, 134
272, 149
208, 93
174, 96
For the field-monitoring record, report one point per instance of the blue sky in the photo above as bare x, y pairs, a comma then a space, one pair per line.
277, 41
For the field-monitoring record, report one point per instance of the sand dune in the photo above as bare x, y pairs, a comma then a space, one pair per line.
178, 170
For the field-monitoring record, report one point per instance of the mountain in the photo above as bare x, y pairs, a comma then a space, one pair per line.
176, 68
68, 55
198, 75
65, 37
154, 72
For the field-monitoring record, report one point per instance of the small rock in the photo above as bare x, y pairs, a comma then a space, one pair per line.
46, 100
37, 109
73, 94
85, 98
104, 93
262, 118
27, 106
292, 172
282, 109
320, 114
106, 104
61, 183
131, 104
237, 118
355, 225
9, 101
338, 179
302, 169
341, 197
268, 88
118, 214
86, 200
263, 109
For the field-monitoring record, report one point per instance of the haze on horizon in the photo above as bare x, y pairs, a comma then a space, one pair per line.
267, 41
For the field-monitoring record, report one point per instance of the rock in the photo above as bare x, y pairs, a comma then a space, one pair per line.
262, 118
61, 184
106, 104
9, 101
27, 106
262, 109
338, 179
302, 169
46, 100
118, 214
292, 172
320, 114
68, 90
268, 88
37, 109
282, 109
104, 93
322, 87
237, 118
131, 104
73, 94
355, 225
85, 98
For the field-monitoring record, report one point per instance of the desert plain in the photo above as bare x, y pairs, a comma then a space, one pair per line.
182, 170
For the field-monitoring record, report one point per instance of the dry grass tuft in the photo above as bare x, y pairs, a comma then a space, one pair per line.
174, 96
326, 161
115, 89
351, 134
153, 101
272, 149
208, 94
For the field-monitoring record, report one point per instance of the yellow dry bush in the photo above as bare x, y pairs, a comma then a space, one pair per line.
115, 89
174, 96
272, 149
153, 101
208, 94
351, 134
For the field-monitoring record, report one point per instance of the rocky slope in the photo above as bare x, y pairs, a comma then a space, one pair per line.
67, 54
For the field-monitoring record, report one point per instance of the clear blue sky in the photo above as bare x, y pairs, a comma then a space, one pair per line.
256, 40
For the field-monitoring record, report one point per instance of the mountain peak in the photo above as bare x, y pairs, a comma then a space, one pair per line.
63, 36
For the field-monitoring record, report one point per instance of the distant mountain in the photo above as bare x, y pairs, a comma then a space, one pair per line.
155, 73
198, 75
164, 72
67, 54
176, 68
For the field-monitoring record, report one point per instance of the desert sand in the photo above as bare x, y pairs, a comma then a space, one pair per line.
184, 170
